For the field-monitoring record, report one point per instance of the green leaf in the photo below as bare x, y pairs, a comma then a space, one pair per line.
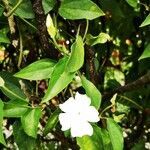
23, 141
77, 9
60, 78
100, 39
41, 69
1, 10
2, 140
76, 59
146, 21
115, 134
15, 108
48, 5
106, 139
3, 36
146, 53
93, 142
132, 3
24, 10
13, 92
52, 121
30, 121
92, 92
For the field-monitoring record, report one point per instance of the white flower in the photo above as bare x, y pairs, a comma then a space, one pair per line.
77, 115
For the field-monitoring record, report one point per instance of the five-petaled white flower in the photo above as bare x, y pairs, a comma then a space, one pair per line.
77, 115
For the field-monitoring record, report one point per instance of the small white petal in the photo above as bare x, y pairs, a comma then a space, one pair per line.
49, 21
68, 106
90, 114
82, 100
65, 122
81, 128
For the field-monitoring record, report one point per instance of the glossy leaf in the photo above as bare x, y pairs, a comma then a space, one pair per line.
48, 5
146, 21
52, 121
38, 70
60, 78
93, 142
146, 53
100, 39
30, 121
15, 108
132, 3
92, 92
24, 10
3, 36
77, 9
13, 92
2, 140
23, 141
115, 134
76, 59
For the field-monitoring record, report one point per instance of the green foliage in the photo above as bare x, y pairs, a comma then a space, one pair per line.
2, 140
72, 9
30, 121
60, 78
92, 92
115, 134
146, 53
41, 69
52, 122
24, 142
75, 62
93, 142
146, 21
100, 48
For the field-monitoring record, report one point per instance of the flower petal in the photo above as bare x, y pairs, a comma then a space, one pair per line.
68, 106
65, 122
90, 114
79, 129
82, 100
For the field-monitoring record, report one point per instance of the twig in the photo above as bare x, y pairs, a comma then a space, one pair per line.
129, 87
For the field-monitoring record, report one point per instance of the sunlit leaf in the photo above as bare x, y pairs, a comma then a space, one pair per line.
30, 121
115, 134
76, 59
146, 21
2, 140
92, 92
146, 53
48, 5
41, 69
77, 9
60, 78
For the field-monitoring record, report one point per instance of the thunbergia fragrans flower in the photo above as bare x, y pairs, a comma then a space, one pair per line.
77, 113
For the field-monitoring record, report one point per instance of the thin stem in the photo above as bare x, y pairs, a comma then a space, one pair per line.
20, 49
28, 23
108, 107
130, 100
36, 90
86, 29
14, 8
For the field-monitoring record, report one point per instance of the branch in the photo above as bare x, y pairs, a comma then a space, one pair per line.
90, 54
129, 87
41, 26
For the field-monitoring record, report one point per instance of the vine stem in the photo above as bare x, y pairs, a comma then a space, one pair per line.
108, 107
14, 8
20, 49
86, 29
130, 100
